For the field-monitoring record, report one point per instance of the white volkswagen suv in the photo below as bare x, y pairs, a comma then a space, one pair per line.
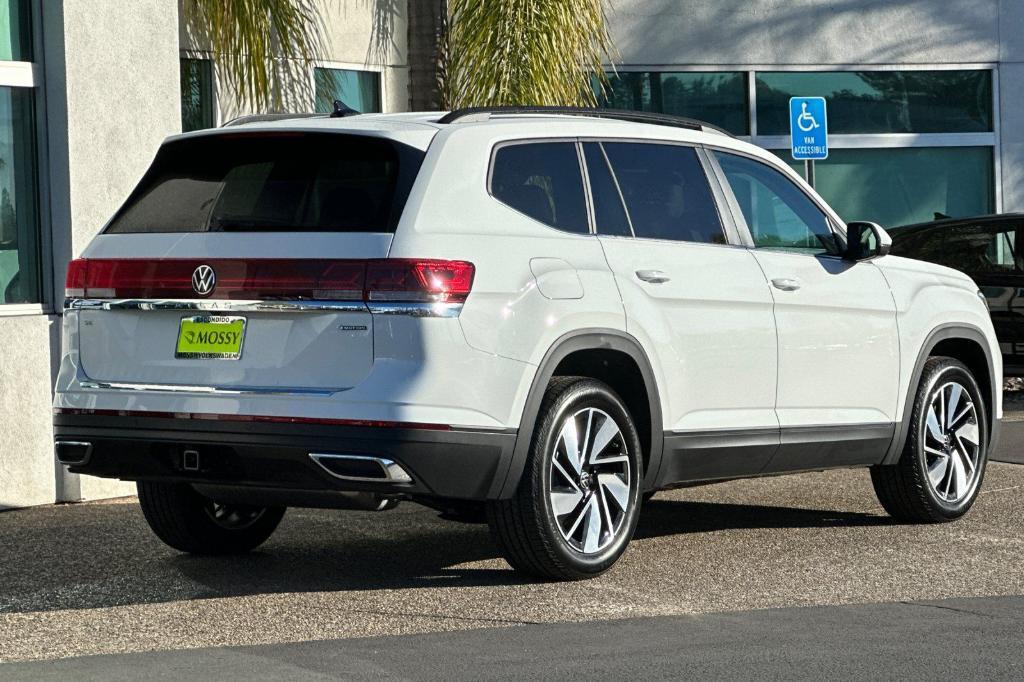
535, 315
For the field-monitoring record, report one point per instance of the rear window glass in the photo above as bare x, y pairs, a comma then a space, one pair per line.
293, 182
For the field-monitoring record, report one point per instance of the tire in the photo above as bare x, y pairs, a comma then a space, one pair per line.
605, 488
191, 523
940, 470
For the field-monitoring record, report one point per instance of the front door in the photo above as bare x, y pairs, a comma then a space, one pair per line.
836, 320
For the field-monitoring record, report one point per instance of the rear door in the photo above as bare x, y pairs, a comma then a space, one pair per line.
838, 340
698, 301
262, 236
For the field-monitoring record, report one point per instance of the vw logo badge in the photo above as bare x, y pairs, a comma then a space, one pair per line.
203, 280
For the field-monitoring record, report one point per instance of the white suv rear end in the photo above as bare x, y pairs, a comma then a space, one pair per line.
540, 317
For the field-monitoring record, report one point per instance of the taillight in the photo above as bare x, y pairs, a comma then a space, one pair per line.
74, 283
384, 280
418, 281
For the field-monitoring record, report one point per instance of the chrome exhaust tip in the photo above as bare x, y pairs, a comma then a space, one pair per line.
363, 468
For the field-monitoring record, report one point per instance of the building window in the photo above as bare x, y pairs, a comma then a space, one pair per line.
197, 110
20, 257
15, 31
906, 146
720, 98
359, 90
881, 101
904, 186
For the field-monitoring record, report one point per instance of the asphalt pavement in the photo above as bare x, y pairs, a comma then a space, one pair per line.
90, 579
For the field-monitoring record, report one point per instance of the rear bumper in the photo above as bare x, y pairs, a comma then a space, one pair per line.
458, 463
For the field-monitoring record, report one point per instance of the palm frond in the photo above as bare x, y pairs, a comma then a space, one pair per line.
539, 52
252, 39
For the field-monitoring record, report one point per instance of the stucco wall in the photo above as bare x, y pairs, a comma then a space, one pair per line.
111, 81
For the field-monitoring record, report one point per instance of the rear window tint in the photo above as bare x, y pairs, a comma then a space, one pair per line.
542, 180
295, 182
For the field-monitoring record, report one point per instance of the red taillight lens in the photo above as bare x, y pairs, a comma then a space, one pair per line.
74, 283
426, 281
393, 279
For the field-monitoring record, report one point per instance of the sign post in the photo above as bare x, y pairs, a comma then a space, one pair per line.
808, 131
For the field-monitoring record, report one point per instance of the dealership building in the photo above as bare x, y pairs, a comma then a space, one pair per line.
925, 105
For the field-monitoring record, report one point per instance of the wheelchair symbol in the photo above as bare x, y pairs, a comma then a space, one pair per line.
805, 121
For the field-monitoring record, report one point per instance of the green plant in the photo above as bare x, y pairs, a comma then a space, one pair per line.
253, 41
526, 52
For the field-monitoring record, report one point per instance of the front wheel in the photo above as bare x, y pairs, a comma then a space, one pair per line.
939, 473
577, 504
189, 522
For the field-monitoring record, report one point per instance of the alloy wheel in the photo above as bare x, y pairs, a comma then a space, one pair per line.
590, 480
952, 443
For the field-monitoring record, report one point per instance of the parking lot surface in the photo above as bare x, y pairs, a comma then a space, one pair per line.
91, 579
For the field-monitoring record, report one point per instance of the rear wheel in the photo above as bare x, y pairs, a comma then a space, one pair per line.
189, 522
943, 463
577, 504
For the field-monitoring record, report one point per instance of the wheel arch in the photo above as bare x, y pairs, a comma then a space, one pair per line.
605, 346
969, 345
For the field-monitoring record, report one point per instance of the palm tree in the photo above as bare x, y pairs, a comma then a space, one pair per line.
507, 52
262, 48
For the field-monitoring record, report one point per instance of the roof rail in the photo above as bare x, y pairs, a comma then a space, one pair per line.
263, 118
482, 113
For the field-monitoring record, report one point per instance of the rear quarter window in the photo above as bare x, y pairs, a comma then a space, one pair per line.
289, 182
542, 180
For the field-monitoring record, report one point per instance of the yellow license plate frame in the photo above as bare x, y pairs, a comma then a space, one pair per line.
210, 337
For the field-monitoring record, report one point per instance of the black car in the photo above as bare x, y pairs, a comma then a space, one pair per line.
987, 249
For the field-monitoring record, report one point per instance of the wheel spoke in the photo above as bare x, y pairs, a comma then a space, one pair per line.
934, 451
616, 486
968, 409
592, 530
954, 400
969, 433
580, 516
602, 438
959, 477
571, 480
606, 511
563, 503
571, 442
961, 452
934, 428
937, 471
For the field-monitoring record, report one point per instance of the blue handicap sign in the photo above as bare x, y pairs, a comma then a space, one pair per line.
808, 128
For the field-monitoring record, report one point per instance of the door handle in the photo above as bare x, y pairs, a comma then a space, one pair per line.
652, 276
786, 283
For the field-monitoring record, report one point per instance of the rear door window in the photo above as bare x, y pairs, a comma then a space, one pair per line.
542, 180
666, 192
288, 182
609, 213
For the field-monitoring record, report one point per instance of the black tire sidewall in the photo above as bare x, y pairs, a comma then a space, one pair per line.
942, 372
580, 395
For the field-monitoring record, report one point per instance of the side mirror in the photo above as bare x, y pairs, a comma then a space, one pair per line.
866, 240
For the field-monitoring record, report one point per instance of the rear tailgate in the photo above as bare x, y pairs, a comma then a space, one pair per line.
264, 235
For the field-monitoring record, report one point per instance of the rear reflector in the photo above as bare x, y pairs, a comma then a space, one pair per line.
392, 279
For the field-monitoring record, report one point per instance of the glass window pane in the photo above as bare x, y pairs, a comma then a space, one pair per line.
542, 180
19, 225
778, 213
306, 183
989, 249
359, 90
609, 213
881, 101
719, 98
666, 191
15, 30
197, 94
903, 186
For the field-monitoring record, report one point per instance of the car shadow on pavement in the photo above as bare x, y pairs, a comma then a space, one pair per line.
89, 556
